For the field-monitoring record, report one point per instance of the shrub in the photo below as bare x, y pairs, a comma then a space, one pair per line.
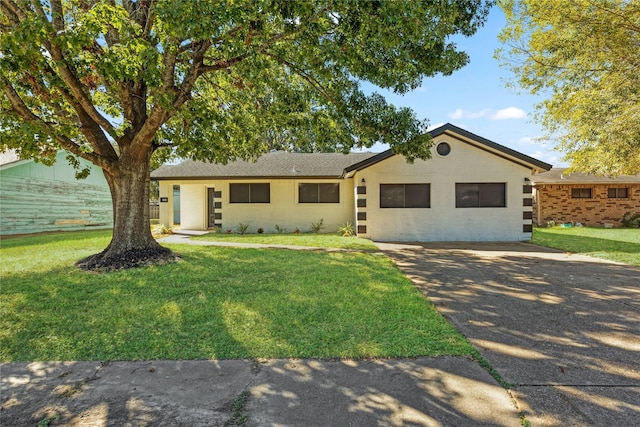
316, 227
631, 220
280, 230
347, 230
260, 230
242, 228
160, 230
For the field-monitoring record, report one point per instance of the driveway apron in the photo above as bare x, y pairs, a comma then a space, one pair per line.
563, 329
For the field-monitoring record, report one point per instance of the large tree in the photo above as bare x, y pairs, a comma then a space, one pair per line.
115, 81
583, 57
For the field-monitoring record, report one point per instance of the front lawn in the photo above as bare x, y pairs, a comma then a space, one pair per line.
616, 244
217, 303
302, 239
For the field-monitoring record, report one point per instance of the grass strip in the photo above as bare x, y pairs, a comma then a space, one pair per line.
615, 244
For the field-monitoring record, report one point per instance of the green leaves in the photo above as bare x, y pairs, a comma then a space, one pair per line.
218, 80
583, 56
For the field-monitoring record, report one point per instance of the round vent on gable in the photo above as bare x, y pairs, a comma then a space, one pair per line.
443, 149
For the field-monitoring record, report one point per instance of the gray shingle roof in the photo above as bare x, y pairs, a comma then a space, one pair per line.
316, 165
275, 164
560, 176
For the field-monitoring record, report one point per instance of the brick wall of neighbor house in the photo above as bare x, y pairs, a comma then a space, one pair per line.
553, 202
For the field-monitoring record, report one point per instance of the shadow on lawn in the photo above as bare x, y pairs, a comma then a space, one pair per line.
155, 392
563, 331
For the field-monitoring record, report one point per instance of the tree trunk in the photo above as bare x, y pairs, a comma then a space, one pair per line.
132, 244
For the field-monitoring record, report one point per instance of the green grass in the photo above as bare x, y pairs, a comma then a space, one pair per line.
218, 302
616, 244
302, 239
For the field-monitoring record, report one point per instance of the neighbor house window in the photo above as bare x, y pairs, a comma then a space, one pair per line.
618, 193
481, 195
580, 193
405, 195
319, 193
249, 193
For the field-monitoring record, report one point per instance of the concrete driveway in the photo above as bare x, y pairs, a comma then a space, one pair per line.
563, 329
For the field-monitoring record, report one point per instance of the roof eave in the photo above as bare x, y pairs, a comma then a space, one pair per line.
235, 177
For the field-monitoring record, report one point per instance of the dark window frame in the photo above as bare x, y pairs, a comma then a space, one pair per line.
479, 195
328, 197
404, 192
582, 193
253, 195
617, 193
445, 147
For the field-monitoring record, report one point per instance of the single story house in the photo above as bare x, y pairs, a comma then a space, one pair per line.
472, 189
562, 197
36, 198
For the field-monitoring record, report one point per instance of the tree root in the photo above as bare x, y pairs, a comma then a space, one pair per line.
104, 262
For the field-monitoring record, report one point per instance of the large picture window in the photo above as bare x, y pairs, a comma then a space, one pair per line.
405, 195
319, 193
481, 195
249, 193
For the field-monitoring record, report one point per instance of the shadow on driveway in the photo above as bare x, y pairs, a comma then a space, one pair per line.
563, 329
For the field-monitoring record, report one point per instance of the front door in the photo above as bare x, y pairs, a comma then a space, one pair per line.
211, 215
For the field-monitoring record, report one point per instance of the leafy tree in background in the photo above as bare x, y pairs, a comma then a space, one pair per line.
114, 82
583, 56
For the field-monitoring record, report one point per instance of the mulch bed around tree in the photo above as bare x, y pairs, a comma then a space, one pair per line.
130, 259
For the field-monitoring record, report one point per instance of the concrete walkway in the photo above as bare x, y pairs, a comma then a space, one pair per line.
442, 391
184, 238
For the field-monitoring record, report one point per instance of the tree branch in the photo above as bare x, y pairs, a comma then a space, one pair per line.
75, 87
314, 83
12, 11
26, 114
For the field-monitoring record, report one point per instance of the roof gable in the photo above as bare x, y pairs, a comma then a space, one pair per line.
470, 138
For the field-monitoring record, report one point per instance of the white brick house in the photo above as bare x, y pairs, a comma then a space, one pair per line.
472, 189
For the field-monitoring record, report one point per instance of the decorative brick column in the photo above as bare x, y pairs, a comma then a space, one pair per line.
217, 205
527, 208
361, 209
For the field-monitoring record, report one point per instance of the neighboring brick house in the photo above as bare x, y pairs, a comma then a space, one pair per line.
581, 198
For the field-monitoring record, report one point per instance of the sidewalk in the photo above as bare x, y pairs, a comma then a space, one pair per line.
443, 391
184, 238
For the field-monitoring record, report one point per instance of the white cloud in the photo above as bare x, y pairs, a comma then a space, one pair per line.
526, 140
549, 157
504, 114
465, 114
509, 113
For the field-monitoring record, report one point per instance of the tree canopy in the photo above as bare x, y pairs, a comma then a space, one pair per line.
583, 57
115, 81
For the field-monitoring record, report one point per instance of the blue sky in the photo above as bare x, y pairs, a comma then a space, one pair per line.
476, 98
